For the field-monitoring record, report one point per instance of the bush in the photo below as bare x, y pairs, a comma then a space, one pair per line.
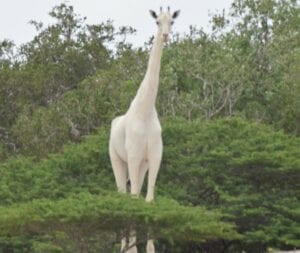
242, 172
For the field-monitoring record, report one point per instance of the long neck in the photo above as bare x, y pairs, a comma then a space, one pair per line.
155, 57
147, 92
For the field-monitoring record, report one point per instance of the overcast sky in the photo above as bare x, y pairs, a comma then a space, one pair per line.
15, 15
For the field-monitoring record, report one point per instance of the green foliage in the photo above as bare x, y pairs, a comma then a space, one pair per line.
245, 169
246, 66
95, 102
80, 168
243, 173
40, 72
114, 212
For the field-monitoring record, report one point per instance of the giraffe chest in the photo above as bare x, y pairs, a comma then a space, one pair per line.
141, 129
140, 132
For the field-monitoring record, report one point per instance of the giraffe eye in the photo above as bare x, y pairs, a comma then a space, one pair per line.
157, 22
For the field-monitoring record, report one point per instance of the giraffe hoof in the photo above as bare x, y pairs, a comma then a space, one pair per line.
149, 199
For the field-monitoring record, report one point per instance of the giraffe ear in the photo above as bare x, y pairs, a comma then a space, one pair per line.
176, 14
153, 14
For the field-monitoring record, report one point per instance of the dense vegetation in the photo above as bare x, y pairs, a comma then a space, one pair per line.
229, 101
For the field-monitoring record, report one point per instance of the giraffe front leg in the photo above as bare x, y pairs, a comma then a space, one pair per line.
142, 174
154, 160
134, 163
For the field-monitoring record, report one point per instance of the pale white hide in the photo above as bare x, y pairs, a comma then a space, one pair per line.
135, 144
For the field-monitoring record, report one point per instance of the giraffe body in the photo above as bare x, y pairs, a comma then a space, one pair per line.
136, 147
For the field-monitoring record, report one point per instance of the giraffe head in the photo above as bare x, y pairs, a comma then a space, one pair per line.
164, 20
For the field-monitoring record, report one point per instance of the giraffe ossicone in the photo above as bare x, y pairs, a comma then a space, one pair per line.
135, 144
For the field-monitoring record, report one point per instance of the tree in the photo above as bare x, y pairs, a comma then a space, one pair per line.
38, 74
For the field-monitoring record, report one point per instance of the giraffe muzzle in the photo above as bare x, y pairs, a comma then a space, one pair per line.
165, 37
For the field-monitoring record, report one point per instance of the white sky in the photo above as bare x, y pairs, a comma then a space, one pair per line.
15, 15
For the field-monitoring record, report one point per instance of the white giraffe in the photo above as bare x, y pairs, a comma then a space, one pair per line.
135, 145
